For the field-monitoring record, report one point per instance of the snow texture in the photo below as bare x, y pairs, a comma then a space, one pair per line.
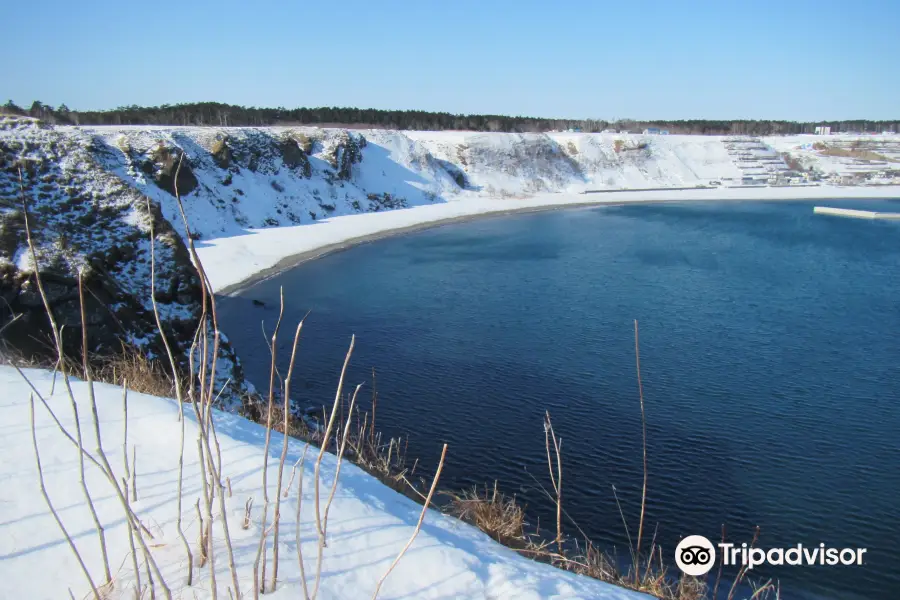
368, 522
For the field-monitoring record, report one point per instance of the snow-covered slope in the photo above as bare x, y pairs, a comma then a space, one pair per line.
500, 164
367, 527
846, 158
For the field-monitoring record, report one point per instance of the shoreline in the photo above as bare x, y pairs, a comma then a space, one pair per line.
418, 218
293, 260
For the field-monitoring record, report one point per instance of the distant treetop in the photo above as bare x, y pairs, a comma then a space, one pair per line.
227, 115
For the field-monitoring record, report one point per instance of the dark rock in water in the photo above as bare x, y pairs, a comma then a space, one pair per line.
258, 302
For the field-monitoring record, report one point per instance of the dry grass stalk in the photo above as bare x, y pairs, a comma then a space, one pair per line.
207, 385
374, 405
742, 572
125, 430
176, 380
209, 522
57, 335
320, 526
637, 358
208, 303
412, 538
134, 559
719, 574
625, 525
95, 419
256, 578
134, 495
340, 457
37, 458
229, 552
201, 536
297, 537
284, 449
556, 480
298, 464
152, 585
259, 584
248, 507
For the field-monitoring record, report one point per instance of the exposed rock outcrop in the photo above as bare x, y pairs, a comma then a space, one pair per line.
88, 221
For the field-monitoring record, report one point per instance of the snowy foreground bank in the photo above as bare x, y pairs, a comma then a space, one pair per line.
234, 262
368, 524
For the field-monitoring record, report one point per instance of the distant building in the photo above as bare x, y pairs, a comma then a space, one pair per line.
652, 131
823, 130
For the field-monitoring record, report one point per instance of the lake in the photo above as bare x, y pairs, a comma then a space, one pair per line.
770, 359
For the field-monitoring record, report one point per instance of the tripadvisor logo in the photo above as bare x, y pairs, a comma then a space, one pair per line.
696, 555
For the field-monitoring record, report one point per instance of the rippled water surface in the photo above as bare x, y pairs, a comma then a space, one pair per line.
770, 355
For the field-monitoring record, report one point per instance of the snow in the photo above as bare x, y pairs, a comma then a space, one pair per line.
801, 148
368, 523
231, 261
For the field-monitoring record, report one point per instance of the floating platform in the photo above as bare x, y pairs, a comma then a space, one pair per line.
855, 214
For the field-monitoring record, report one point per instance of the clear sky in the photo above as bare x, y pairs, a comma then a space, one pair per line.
787, 59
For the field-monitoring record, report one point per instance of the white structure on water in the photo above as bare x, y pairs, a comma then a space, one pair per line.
856, 214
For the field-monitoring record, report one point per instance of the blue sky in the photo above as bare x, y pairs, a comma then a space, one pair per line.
574, 59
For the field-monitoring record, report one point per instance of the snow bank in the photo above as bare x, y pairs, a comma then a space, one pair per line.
368, 524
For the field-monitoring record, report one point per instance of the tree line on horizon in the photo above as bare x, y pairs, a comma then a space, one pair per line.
226, 115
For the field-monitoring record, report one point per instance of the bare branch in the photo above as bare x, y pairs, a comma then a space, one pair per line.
37, 458
320, 529
418, 525
340, 456
284, 449
299, 541
637, 358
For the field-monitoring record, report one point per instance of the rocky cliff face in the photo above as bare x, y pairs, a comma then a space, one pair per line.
86, 220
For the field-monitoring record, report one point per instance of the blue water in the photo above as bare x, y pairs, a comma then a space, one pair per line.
770, 341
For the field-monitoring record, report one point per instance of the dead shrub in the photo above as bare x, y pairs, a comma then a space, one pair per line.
496, 514
296, 427
143, 374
